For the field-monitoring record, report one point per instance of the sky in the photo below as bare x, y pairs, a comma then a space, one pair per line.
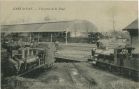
101, 13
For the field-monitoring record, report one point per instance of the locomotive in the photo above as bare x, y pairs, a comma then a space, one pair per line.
17, 60
120, 60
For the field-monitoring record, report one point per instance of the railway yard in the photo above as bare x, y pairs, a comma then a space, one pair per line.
70, 74
69, 45
60, 60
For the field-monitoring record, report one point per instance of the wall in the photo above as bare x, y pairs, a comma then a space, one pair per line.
135, 43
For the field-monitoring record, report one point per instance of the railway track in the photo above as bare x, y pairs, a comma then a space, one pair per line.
90, 82
78, 77
74, 76
69, 74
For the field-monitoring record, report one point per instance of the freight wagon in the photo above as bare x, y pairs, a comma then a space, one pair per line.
120, 60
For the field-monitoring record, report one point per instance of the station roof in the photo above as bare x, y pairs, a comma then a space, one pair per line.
58, 26
132, 26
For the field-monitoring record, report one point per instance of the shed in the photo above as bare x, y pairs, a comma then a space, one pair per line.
56, 30
133, 30
57, 26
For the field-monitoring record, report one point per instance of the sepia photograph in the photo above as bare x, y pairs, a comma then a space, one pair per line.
69, 44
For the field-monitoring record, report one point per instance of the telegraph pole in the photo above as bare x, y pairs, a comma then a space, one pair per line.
51, 37
30, 37
66, 36
38, 37
113, 19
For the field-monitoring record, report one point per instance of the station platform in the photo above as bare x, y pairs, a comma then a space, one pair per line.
75, 51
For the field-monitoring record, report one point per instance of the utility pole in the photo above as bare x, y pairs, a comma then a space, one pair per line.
113, 19
51, 37
30, 37
38, 37
66, 36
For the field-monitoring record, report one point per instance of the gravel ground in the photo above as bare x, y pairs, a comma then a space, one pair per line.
72, 76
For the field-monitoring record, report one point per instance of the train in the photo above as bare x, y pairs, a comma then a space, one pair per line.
18, 60
120, 60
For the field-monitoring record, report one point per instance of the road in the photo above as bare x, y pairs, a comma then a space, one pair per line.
74, 76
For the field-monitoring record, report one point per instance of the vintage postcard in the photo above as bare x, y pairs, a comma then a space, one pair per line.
69, 44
